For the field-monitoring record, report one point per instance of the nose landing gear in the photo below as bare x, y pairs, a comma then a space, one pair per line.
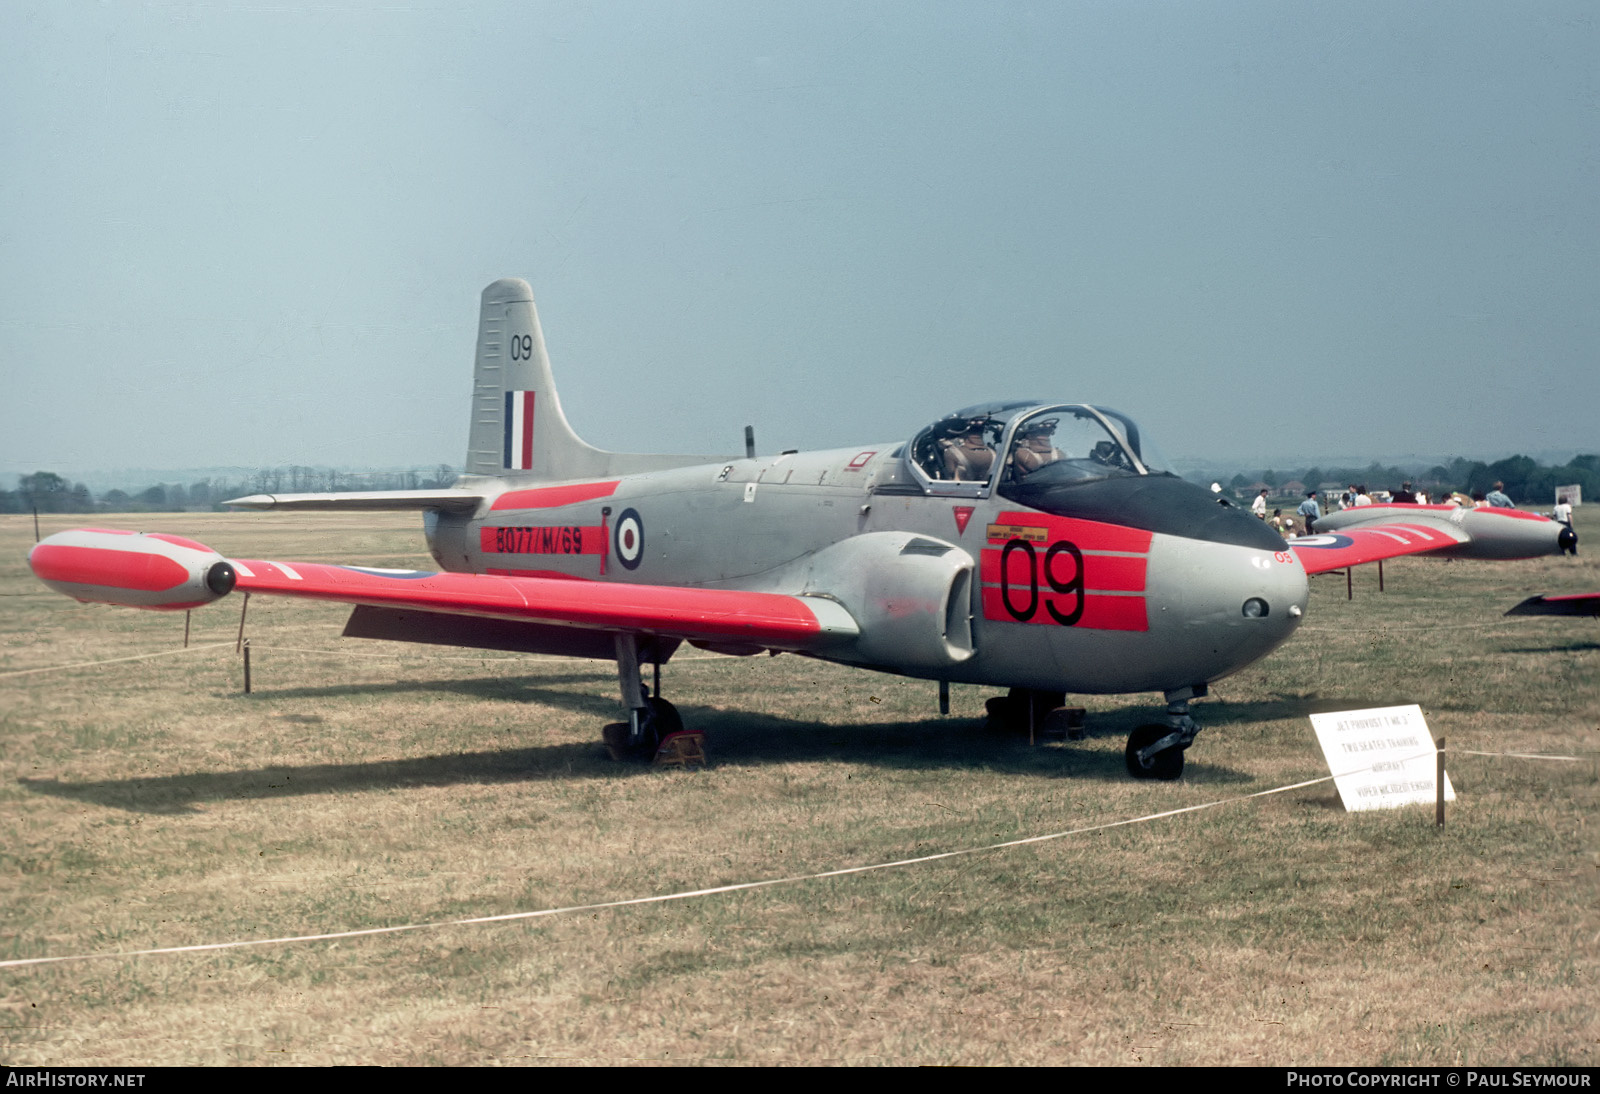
1155, 751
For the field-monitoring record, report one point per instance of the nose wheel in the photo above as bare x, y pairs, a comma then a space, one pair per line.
1155, 751
1163, 761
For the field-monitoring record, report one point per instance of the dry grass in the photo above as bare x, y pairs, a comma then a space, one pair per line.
149, 803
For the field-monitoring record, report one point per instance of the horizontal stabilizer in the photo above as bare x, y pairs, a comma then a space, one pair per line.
367, 501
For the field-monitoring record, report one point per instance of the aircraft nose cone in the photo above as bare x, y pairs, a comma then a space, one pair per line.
1271, 599
1238, 604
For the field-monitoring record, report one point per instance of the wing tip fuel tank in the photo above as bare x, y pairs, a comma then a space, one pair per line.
132, 569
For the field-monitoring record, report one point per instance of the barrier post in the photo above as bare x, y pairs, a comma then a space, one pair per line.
1438, 786
239, 642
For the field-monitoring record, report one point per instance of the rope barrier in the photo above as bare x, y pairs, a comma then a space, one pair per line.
662, 898
745, 886
114, 660
1523, 755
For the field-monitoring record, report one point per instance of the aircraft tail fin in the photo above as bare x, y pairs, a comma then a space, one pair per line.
518, 428
517, 423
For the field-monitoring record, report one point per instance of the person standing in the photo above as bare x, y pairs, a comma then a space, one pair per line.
1310, 512
1497, 497
1259, 506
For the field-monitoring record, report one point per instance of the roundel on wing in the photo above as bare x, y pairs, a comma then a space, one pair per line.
629, 539
1326, 540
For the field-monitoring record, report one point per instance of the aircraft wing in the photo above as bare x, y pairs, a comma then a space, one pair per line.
1371, 533
1335, 550
169, 572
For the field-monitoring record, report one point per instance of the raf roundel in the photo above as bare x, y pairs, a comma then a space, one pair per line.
1333, 542
629, 539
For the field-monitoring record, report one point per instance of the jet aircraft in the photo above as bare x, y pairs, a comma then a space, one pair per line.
1032, 545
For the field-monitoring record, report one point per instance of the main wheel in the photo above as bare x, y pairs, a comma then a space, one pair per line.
1063, 723
659, 719
614, 735
1166, 764
1009, 713
664, 719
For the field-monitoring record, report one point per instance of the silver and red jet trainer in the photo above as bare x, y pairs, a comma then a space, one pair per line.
1036, 546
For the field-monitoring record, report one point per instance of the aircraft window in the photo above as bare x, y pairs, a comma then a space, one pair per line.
958, 449
1068, 444
1153, 461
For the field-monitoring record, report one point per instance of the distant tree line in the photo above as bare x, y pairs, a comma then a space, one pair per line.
1526, 481
48, 492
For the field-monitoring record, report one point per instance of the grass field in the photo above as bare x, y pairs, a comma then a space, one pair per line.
149, 803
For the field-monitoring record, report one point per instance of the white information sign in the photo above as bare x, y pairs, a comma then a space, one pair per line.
1380, 758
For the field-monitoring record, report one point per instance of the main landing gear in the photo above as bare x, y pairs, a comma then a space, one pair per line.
654, 729
1155, 751
1042, 714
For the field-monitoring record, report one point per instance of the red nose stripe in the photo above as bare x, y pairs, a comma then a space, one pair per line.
98, 566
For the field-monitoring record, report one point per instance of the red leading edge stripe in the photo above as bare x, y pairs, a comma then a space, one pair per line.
768, 618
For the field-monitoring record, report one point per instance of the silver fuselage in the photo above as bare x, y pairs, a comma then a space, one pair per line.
1054, 601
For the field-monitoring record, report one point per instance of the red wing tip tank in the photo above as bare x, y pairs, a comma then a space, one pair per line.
1033, 545
141, 570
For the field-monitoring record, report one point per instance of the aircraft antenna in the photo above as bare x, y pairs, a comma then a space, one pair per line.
749, 442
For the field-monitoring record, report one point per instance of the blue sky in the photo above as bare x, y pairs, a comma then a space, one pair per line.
247, 234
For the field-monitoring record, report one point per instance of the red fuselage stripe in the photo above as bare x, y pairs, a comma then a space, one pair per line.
547, 497
1100, 613
1101, 573
554, 575
561, 539
1088, 535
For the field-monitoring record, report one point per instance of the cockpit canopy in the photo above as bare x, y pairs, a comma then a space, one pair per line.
1002, 444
